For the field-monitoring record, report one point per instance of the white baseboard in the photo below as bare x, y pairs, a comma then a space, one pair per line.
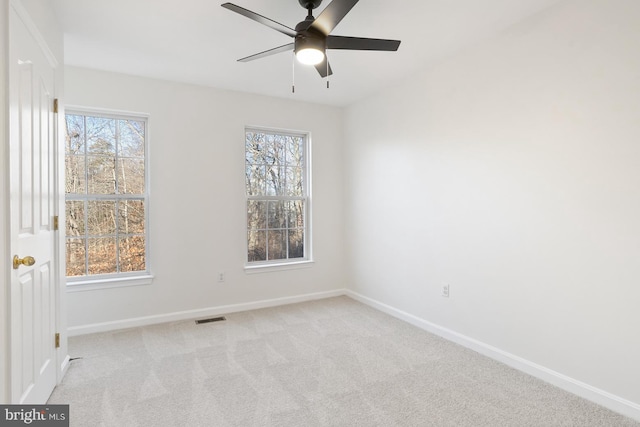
64, 367
193, 314
586, 391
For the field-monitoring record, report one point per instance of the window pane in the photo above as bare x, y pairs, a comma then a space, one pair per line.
277, 215
131, 217
296, 243
102, 256
254, 148
132, 254
257, 244
275, 181
277, 241
75, 135
294, 181
75, 252
74, 175
74, 218
256, 177
274, 150
131, 176
101, 175
295, 214
101, 136
131, 138
256, 214
101, 218
294, 151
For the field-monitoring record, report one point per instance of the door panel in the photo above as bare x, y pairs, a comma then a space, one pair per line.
33, 290
25, 97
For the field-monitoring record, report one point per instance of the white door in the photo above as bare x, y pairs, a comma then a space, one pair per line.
32, 197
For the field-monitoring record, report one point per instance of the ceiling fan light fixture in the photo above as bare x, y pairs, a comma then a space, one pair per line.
310, 56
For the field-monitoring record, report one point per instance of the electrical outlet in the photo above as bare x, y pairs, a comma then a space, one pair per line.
445, 290
220, 276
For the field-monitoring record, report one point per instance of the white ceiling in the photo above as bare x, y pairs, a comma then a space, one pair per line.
197, 41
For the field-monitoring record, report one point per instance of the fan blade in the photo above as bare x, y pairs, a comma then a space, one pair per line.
261, 19
359, 43
269, 52
332, 15
324, 68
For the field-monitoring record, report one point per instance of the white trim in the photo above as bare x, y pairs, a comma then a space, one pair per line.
107, 112
202, 312
35, 32
114, 282
277, 266
586, 391
64, 366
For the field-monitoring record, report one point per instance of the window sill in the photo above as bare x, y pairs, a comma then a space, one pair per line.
281, 266
117, 282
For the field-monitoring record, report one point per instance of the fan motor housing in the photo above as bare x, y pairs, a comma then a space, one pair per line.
309, 40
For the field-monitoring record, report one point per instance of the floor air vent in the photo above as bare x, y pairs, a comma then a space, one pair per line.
212, 319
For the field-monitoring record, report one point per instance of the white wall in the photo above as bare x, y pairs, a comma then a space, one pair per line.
197, 206
511, 171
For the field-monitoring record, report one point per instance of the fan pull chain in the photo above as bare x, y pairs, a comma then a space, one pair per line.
293, 73
327, 61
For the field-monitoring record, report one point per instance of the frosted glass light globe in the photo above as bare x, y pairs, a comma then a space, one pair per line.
310, 56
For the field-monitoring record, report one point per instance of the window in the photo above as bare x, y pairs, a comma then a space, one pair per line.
106, 196
277, 188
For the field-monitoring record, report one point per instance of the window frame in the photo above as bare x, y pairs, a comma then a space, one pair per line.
121, 279
284, 263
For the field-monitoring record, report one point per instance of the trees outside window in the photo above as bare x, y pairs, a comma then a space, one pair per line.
276, 170
106, 195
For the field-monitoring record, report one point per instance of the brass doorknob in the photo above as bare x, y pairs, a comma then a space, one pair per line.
28, 260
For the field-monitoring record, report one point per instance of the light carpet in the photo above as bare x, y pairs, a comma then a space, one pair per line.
332, 362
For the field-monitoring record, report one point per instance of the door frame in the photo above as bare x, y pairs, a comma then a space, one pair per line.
6, 270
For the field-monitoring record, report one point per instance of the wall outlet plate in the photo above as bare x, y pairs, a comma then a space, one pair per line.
445, 290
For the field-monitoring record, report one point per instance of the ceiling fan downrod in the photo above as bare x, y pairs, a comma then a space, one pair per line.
309, 5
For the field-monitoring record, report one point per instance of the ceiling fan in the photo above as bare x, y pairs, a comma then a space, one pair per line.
312, 36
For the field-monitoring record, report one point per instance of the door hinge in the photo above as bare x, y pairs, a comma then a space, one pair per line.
55, 105
55, 222
57, 339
